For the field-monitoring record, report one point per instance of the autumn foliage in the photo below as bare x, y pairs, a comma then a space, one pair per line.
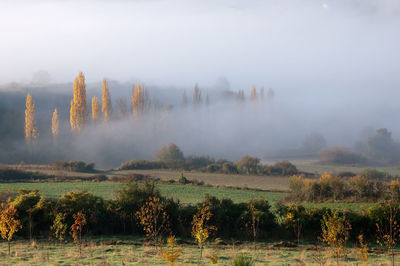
78, 111
9, 224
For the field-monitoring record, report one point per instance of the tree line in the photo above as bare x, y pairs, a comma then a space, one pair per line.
141, 210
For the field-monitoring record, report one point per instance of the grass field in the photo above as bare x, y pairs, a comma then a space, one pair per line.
125, 251
313, 166
184, 193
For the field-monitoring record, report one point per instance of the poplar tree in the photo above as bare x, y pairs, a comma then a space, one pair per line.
138, 100
95, 109
196, 95
184, 99
31, 132
55, 125
253, 95
78, 112
106, 108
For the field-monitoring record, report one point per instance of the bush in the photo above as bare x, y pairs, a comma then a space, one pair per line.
141, 165
248, 165
283, 168
340, 155
76, 166
375, 174
183, 180
195, 163
243, 260
171, 156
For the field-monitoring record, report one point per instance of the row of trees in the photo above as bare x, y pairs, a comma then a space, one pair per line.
79, 113
137, 210
173, 158
335, 188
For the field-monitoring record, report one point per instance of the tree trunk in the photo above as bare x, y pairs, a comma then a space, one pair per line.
9, 248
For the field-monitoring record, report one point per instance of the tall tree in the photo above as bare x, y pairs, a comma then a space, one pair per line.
31, 132
106, 108
138, 100
95, 109
184, 99
78, 112
253, 95
55, 125
196, 95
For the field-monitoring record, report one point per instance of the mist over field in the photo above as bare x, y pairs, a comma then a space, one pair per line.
333, 65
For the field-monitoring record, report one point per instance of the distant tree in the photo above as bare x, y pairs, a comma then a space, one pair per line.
95, 109
381, 147
106, 107
41, 77
184, 99
55, 125
122, 109
240, 95
31, 132
270, 95
249, 165
172, 156
9, 224
138, 100
253, 95
196, 95
262, 93
207, 100
313, 143
78, 111
76, 229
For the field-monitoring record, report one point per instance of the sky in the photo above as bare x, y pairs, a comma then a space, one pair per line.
307, 45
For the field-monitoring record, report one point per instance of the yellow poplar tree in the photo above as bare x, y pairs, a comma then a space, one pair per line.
95, 109
253, 95
55, 124
138, 100
78, 112
31, 132
106, 102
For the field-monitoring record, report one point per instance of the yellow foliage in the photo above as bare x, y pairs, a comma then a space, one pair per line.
55, 124
335, 232
95, 109
363, 250
76, 229
31, 132
138, 100
9, 225
153, 217
325, 178
172, 253
106, 102
200, 228
213, 258
78, 112
253, 95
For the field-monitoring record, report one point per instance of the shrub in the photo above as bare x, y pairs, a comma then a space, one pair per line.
375, 174
76, 166
248, 165
340, 155
243, 260
171, 156
141, 165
